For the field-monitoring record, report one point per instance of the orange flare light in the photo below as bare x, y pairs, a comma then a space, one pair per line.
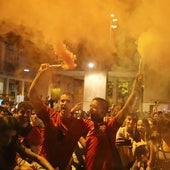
67, 56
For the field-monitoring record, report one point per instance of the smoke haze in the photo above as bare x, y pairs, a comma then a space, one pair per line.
143, 30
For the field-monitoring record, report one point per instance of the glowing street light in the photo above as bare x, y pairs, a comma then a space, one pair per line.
113, 23
113, 26
114, 20
26, 70
91, 65
112, 15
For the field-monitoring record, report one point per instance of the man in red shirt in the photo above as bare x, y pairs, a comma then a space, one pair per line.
62, 131
101, 153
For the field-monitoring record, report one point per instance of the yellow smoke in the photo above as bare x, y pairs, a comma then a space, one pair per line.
145, 21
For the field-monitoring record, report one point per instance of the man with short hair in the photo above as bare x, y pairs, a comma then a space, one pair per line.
62, 131
4, 108
29, 135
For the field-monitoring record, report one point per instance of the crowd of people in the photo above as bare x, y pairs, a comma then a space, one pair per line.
39, 136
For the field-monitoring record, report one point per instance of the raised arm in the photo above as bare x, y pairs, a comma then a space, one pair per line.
136, 90
40, 80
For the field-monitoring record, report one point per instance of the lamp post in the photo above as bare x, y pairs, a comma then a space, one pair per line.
113, 24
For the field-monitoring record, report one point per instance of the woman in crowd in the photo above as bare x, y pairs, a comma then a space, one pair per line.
141, 145
160, 146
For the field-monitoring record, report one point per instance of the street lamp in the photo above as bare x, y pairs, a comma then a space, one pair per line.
113, 23
91, 65
26, 70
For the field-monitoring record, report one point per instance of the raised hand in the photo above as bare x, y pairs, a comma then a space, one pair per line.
77, 107
47, 66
